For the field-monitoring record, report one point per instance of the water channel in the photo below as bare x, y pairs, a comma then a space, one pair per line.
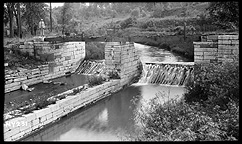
112, 118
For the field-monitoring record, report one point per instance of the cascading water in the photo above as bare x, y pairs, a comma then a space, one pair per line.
91, 67
166, 74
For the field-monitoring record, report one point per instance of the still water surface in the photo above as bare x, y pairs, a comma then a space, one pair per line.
112, 118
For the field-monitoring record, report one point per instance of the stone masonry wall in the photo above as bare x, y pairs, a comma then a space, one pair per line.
122, 57
15, 129
19, 127
216, 48
60, 58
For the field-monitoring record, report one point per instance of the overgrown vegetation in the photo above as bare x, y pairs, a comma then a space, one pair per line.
94, 50
225, 14
209, 110
113, 75
215, 84
95, 80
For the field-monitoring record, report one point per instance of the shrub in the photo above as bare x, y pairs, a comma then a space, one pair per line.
179, 121
95, 80
215, 84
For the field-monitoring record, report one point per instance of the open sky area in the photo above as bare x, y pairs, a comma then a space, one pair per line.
57, 4
54, 4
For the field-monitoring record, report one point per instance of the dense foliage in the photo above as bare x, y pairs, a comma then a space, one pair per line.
209, 111
79, 17
225, 14
215, 84
94, 50
179, 121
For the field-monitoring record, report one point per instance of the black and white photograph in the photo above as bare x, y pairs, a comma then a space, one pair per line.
121, 71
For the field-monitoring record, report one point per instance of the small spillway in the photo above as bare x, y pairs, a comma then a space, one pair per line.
91, 67
167, 74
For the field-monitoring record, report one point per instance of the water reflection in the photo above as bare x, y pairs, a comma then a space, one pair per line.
110, 119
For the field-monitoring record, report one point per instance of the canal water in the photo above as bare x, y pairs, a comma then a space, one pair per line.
112, 118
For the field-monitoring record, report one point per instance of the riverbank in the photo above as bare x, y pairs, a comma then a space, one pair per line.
173, 43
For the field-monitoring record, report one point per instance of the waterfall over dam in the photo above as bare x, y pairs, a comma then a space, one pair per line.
177, 73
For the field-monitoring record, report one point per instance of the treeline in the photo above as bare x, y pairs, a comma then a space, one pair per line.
22, 17
71, 17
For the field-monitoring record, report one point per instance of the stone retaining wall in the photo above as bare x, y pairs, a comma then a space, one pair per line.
216, 48
19, 127
127, 60
61, 58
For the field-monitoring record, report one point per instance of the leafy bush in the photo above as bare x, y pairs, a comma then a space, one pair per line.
215, 84
179, 121
95, 80
225, 14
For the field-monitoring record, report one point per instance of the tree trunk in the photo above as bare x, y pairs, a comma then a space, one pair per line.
10, 12
19, 22
50, 18
16, 17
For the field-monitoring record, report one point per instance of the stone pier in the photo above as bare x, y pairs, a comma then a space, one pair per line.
216, 48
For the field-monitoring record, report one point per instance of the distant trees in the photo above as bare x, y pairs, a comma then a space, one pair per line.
28, 13
33, 13
66, 16
225, 14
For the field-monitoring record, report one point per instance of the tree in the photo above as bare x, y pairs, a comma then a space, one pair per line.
225, 14
33, 13
19, 21
10, 8
5, 15
50, 18
66, 16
